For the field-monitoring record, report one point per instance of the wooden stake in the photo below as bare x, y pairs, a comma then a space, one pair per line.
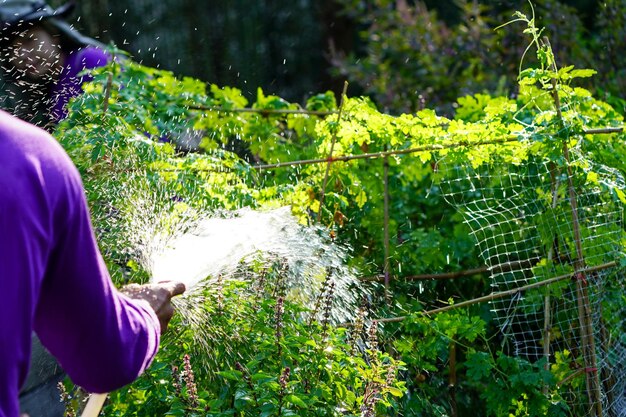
263, 112
592, 376
386, 225
499, 295
330, 153
452, 379
547, 307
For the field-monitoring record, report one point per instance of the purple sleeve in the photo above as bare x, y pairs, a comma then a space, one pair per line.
102, 339
70, 83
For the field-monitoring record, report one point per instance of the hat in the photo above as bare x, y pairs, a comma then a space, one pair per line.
14, 13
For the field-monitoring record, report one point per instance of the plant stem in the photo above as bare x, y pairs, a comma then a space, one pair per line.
107, 93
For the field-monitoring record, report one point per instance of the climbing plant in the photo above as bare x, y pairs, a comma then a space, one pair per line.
413, 196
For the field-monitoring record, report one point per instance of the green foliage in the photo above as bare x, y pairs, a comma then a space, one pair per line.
515, 387
264, 354
410, 58
266, 359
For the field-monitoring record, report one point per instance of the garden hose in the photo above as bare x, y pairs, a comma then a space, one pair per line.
94, 405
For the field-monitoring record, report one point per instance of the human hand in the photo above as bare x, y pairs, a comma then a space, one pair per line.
159, 296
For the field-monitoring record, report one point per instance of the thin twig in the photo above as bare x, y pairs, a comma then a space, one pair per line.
570, 377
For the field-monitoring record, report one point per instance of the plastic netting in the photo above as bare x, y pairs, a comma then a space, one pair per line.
561, 225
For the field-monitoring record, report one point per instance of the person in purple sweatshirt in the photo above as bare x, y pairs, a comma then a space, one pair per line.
53, 279
42, 57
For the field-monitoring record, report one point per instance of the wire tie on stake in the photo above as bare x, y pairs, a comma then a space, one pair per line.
579, 276
590, 370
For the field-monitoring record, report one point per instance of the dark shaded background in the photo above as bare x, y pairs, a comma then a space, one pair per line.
279, 45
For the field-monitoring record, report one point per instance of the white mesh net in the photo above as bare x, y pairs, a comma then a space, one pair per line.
535, 225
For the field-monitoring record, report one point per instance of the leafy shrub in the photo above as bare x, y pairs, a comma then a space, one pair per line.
261, 355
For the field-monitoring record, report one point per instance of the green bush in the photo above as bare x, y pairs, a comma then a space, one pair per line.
260, 355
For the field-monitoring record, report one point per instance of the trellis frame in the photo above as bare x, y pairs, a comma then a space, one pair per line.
593, 384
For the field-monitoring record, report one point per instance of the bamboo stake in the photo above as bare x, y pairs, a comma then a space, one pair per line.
386, 224
499, 268
383, 154
547, 308
584, 313
330, 153
424, 148
603, 130
452, 379
374, 155
263, 112
502, 294
592, 376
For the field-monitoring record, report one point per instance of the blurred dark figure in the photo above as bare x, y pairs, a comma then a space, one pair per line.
42, 57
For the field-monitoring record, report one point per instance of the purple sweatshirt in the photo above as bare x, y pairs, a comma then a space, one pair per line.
70, 84
53, 279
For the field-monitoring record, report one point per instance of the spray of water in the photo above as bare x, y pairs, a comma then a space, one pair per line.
213, 252
212, 248
205, 251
